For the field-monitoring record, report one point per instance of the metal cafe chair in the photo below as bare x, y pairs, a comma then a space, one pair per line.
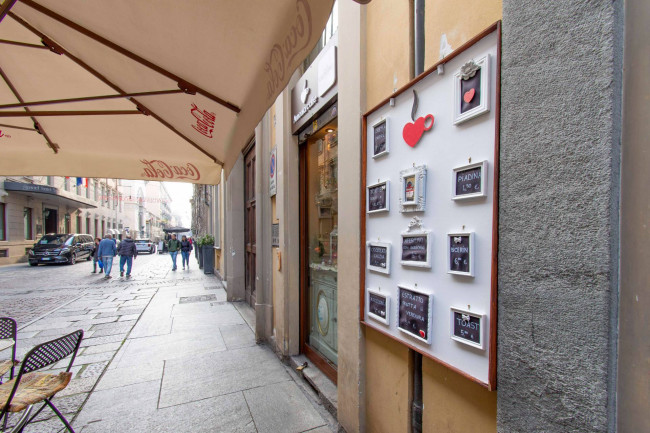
30, 387
8, 332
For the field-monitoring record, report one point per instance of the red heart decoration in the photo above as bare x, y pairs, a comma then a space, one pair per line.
469, 95
422, 334
412, 132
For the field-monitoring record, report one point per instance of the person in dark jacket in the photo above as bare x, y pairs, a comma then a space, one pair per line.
106, 251
174, 246
186, 247
96, 256
128, 252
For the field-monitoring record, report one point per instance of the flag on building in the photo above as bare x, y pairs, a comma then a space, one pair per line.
79, 181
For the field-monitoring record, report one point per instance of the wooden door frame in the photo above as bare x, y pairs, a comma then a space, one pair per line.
251, 298
314, 356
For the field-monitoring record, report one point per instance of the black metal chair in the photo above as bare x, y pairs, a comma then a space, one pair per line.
29, 387
8, 332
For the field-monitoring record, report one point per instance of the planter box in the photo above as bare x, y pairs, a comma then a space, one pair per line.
199, 258
207, 252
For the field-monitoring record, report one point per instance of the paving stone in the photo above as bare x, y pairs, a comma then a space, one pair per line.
138, 303
114, 324
42, 325
120, 377
93, 370
152, 326
129, 317
237, 336
100, 348
87, 359
101, 340
77, 386
206, 322
104, 310
117, 330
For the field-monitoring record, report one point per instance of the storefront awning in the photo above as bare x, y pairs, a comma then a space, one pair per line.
48, 193
166, 91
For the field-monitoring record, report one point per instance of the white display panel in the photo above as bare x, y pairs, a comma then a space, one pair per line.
448, 145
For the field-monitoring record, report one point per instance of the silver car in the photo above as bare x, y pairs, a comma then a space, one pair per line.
145, 246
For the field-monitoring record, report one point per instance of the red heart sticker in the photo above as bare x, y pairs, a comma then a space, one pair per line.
412, 132
469, 95
423, 334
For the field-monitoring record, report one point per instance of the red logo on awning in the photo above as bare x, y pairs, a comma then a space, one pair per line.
157, 169
204, 121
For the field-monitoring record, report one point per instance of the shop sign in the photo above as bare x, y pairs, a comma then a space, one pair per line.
28, 187
273, 168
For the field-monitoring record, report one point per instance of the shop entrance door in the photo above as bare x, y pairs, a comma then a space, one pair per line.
249, 223
51, 220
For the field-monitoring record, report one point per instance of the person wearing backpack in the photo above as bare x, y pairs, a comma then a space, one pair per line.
186, 247
128, 252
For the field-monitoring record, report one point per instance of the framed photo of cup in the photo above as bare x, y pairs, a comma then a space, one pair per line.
413, 189
472, 89
378, 257
467, 327
469, 181
380, 143
460, 253
416, 245
414, 313
378, 197
378, 306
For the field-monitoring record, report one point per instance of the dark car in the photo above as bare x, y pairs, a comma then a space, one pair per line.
62, 248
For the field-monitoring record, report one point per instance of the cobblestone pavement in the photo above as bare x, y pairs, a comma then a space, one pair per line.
161, 352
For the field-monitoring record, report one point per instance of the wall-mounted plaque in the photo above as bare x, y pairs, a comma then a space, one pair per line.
413, 189
472, 89
380, 138
275, 235
460, 253
467, 327
378, 306
416, 245
378, 197
414, 313
469, 181
379, 257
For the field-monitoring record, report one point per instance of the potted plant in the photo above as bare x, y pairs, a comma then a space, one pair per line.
207, 253
199, 254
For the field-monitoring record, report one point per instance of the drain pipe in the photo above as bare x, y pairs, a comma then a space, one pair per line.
417, 406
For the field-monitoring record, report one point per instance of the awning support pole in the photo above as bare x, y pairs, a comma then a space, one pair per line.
68, 113
4, 9
91, 98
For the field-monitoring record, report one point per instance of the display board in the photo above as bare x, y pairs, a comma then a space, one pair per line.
437, 211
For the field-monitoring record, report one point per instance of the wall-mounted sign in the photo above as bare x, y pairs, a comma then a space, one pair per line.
472, 89
469, 181
414, 313
460, 254
378, 306
273, 169
380, 145
466, 327
275, 235
379, 257
326, 69
412, 131
413, 182
416, 245
378, 197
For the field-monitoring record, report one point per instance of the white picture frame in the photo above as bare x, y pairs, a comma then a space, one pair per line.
381, 152
379, 184
481, 332
371, 292
370, 245
483, 165
416, 231
413, 183
460, 261
429, 306
483, 105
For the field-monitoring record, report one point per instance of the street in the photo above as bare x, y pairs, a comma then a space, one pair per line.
162, 352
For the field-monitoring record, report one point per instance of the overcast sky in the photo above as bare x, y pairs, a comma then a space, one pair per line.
181, 193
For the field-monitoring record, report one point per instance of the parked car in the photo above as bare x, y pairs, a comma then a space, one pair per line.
62, 248
145, 246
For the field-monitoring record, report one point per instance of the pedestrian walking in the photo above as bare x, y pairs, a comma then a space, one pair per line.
96, 256
128, 252
174, 246
107, 251
186, 247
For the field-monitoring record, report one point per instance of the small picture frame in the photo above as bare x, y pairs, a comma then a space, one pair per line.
472, 90
378, 306
324, 212
469, 181
460, 253
416, 245
380, 142
378, 257
414, 312
378, 197
413, 189
467, 327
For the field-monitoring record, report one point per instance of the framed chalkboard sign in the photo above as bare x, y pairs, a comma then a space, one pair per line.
378, 306
413, 189
416, 245
414, 313
380, 138
378, 257
467, 328
472, 89
378, 197
460, 253
469, 181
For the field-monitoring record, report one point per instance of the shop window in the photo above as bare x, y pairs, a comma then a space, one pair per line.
3, 223
27, 222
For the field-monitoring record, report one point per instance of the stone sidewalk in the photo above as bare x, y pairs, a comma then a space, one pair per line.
170, 355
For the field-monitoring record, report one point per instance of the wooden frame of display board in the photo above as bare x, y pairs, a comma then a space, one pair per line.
443, 147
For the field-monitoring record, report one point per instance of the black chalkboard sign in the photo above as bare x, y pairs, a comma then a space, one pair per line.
470, 92
379, 138
377, 197
378, 256
467, 328
377, 305
413, 313
414, 249
459, 253
469, 181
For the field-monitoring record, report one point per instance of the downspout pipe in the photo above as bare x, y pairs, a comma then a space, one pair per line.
419, 36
